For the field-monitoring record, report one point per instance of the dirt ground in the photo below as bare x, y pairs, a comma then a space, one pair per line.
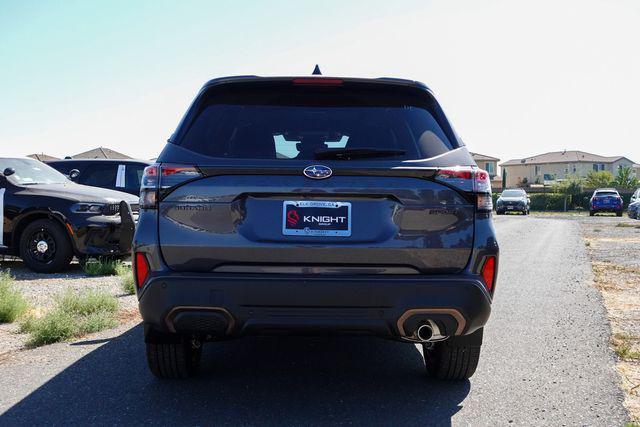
614, 246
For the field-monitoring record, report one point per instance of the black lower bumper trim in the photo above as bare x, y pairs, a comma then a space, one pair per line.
227, 305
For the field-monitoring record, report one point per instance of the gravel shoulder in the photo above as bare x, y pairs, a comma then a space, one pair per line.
614, 247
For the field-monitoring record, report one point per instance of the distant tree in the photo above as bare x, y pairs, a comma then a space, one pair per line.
625, 178
599, 179
572, 186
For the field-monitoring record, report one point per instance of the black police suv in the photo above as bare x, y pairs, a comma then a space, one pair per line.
48, 219
513, 200
315, 205
119, 175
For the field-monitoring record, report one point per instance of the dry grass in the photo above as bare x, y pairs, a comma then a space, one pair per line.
127, 284
626, 346
102, 267
628, 225
74, 315
619, 283
12, 303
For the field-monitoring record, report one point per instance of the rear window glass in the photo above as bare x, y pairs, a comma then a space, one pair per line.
605, 193
309, 124
512, 193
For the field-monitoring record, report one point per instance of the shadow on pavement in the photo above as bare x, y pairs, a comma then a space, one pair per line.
248, 381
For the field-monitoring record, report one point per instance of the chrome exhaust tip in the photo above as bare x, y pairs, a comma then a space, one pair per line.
428, 332
424, 333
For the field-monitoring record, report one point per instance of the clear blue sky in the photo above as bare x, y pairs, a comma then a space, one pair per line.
517, 78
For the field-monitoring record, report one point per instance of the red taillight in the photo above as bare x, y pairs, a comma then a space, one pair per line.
459, 173
172, 175
149, 187
141, 269
161, 177
318, 81
470, 180
172, 170
489, 272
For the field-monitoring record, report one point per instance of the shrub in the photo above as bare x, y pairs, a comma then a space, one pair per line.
625, 178
598, 179
547, 202
87, 303
12, 303
102, 267
127, 283
72, 316
52, 327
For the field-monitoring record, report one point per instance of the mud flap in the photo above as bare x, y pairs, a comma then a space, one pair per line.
127, 227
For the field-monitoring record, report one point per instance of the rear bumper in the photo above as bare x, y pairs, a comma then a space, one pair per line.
611, 208
220, 306
503, 209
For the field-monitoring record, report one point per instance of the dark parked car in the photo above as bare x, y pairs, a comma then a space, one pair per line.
313, 206
119, 175
48, 219
634, 205
634, 210
513, 200
605, 200
635, 197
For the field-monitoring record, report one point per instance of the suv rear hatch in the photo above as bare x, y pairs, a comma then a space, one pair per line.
240, 187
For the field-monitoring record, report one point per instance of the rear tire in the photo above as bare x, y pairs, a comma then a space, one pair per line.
455, 358
173, 360
45, 246
591, 213
618, 213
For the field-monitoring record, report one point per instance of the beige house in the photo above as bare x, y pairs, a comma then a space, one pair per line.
550, 167
490, 164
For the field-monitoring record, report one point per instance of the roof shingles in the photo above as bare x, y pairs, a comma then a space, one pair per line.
573, 156
101, 153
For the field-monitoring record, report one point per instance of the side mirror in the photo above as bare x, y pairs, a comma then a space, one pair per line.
74, 173
9, 171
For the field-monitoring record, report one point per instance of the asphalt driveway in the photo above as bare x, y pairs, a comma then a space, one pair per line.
545, 361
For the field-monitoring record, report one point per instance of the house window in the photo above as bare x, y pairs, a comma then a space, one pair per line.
573, 168
489, 168
598, 167
537, 170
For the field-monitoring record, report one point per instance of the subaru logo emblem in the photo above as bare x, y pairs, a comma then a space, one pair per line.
317, 172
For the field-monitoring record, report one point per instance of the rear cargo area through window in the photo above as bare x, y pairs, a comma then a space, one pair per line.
302, 123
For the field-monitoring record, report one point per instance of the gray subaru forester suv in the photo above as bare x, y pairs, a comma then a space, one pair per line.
315, 205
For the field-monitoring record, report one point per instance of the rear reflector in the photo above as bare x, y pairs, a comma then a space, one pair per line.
489, 272
141, 269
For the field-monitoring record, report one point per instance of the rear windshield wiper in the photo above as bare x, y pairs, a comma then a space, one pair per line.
355, 153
